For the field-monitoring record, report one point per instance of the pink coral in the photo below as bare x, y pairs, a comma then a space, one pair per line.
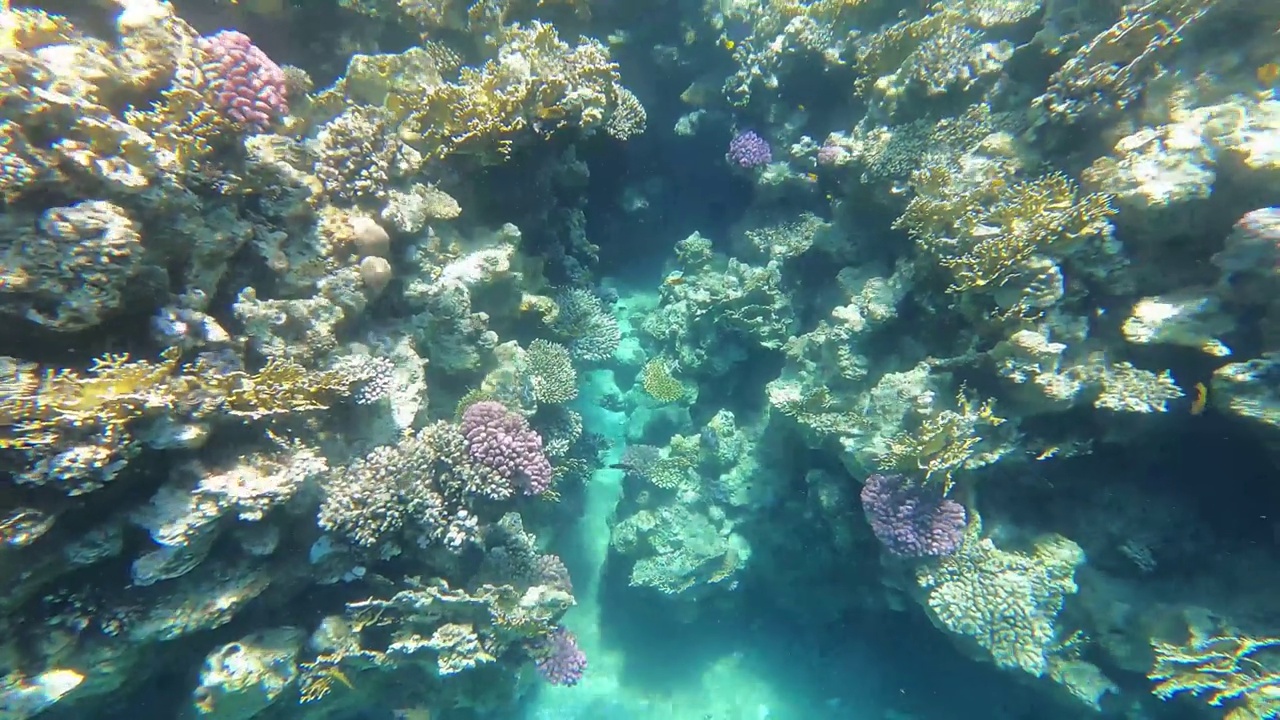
910, 520
559, 659
502, 441
245, 84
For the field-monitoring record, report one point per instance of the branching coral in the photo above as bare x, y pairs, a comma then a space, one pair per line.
985, 235
537, 82
91, 414
551, 368
591, 330
944, 443
1238, 671
423, 484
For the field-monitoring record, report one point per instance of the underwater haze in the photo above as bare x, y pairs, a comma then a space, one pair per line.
640, 360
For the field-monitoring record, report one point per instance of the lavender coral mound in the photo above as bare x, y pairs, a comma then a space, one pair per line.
502, 441
559, 659
748, 150
245, 84
910, 520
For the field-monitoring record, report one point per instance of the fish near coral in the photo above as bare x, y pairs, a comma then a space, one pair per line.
1200, 400
1269, 74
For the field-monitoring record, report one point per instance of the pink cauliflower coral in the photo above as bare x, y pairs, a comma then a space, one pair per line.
502, 441
244, 84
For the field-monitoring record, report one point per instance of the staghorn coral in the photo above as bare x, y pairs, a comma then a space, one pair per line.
1006, 602
1233, 670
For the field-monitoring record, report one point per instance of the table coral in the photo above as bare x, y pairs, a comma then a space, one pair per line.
1111, 70
71, 271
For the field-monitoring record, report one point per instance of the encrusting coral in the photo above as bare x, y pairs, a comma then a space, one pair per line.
1006, 602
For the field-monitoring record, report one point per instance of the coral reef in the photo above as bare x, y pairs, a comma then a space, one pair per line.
329, 325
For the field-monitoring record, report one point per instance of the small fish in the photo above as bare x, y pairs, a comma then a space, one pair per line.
675, 278
729, 44
1268, 74
1200, 399
811, 177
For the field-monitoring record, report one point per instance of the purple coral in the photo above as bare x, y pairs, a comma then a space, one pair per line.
559, 659
910, 520
502, 441
245, 84
749, 150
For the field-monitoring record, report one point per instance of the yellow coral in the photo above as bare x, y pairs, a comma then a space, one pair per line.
1224, 670
537, 82
944, 443
985, 234
97, 406
1007, 602
659, 383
